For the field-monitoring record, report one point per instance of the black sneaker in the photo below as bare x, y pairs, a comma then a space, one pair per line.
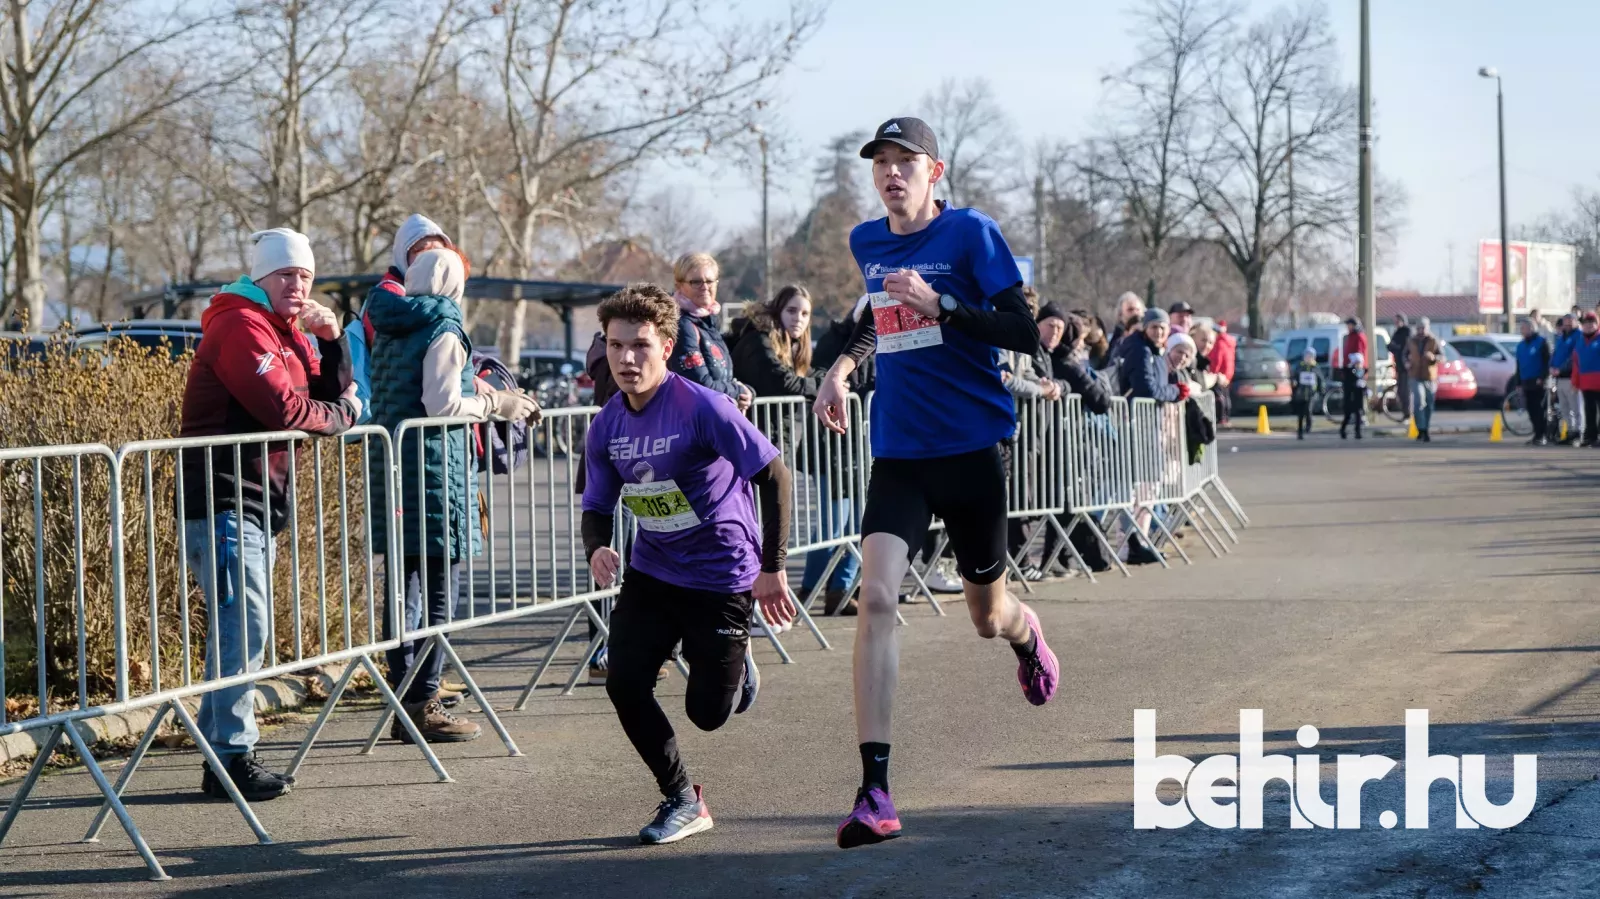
677, 818
255, 782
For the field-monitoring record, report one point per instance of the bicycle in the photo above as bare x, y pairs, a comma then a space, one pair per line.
1514, 412
1385, 400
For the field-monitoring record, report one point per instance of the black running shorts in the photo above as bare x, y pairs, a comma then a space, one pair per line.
967, 491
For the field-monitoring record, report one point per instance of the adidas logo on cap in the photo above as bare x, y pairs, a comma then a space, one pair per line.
892, 128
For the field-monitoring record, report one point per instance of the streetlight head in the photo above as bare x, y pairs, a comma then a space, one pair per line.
1489, 72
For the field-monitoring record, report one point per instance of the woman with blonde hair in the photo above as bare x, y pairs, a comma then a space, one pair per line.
700, 354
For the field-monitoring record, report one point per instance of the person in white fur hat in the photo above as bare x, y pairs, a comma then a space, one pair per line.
254, 371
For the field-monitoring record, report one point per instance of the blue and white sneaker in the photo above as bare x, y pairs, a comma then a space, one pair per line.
752, 684
677, 818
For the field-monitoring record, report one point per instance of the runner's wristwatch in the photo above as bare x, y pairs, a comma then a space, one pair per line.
947, 305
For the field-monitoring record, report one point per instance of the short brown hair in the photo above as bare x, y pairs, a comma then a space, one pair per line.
1032, 298
642, 304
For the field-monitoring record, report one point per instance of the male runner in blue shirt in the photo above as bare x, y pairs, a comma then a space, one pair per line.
946, 293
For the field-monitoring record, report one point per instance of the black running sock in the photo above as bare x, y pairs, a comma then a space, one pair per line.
1026, 650
875, 766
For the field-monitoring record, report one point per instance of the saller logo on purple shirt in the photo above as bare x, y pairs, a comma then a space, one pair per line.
639, 447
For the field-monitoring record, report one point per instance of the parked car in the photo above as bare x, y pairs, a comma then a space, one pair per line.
16, 346
179, 336
1456, 382
1261, 376
1493, 360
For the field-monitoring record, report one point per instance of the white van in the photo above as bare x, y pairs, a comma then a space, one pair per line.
1328, 343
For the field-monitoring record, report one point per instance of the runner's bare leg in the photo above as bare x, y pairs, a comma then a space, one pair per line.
995, 611
884, 559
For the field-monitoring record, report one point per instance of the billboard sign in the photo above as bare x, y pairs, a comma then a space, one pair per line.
1543, 277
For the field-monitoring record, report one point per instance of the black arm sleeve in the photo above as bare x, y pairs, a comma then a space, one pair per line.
863, 339
772, 492
597, 528
1008, 326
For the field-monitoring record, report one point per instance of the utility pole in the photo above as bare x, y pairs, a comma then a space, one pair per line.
766, 231
1509, 318
1039, 276
1294, 292
1368, 297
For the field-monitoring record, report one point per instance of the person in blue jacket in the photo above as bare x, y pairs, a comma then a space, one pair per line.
1533, 372
1569, 401
1145, 374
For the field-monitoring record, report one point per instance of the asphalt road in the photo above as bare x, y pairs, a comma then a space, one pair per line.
1380, 576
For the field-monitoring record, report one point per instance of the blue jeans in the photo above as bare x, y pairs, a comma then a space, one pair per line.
835, 520
1424, 395
228, 716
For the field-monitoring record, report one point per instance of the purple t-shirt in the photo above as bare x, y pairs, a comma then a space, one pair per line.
682, 465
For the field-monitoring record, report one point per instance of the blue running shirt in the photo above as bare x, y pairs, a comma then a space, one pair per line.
939, 391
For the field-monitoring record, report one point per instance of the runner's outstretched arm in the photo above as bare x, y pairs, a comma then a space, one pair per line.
772, 492
1009, 326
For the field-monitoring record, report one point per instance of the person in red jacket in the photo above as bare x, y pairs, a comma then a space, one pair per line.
253, 372
1224, 355
1355, 341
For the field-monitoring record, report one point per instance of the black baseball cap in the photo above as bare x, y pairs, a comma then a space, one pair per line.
1178, 307
913, 134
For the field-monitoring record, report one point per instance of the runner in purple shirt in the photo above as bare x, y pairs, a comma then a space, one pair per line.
683, 461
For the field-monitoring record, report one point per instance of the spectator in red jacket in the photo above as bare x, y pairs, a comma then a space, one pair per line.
254, 372
1223, 356
1355, 341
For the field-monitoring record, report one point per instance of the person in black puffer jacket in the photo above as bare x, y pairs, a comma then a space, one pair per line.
700, 354
832, 343
1069, 360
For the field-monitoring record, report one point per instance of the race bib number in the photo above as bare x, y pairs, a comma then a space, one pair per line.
659, 506
1308, 379
902, 328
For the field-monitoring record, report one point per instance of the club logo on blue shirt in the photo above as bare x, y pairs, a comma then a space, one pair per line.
877, 270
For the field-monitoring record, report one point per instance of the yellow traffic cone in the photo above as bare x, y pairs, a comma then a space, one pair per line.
1262, 427
1496, 428
1563, 430
1411, 429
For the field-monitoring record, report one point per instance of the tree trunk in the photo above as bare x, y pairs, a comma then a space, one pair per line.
512, 335
30, 268
1252, 286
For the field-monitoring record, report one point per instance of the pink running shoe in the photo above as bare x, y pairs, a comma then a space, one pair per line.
1039, 673
872, 821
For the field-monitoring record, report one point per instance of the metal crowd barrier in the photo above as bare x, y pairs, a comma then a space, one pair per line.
331, 601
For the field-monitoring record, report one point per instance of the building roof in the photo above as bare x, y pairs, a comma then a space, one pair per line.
1437, 307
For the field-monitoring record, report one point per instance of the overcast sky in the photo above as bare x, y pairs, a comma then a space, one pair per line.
1435, 118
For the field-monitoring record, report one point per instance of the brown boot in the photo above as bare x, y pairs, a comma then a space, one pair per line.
449, 698
833, 599
436, 724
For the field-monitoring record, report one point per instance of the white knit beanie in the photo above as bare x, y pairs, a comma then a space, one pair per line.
280, 248
438, 273
411, 230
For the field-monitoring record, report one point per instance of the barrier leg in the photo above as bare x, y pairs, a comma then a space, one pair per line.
392, 701
322, 718
219, 770
821, 586
918, 577
126, 775
1216, 515
121, 811
1132, 529
1167, 535
550, 656
1203, 518
477, 694
46, 750
397, 708
777, 644
1187, 512
1105, 543
800, 611
1233, 504
1066, 544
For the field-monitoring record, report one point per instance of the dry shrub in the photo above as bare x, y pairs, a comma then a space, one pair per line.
115, 394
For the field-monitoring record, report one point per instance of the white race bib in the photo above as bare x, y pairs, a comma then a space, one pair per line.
902, 328
659, 506
1308, 379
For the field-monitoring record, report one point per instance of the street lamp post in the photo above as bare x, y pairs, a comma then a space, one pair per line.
1364, 273
1509, 318
766, 233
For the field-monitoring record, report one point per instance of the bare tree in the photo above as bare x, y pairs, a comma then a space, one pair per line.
1155, 104
1239, 177
1578, 224
589, 91
976, 139
59, 56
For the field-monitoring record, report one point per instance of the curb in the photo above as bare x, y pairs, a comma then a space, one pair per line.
1375, 432
279, 694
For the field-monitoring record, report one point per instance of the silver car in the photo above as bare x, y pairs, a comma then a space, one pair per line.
1493, 361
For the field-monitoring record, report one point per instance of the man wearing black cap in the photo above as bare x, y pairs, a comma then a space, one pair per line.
945, 293
1181, 315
